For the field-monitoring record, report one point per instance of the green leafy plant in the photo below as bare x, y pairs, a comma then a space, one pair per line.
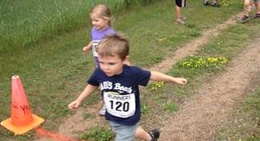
98, 134
170, 107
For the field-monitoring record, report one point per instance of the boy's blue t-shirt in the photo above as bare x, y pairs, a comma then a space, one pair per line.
121, 93
97, 35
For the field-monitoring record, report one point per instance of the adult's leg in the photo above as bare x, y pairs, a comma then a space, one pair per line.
247, 3
257, 6
178, 12
245, 16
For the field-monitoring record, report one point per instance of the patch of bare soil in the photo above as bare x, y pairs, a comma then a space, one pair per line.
200, 116
203, 113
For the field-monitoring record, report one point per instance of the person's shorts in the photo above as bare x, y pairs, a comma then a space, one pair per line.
180, 3
123, 132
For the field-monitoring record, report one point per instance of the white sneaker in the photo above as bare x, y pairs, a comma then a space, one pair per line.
102, 112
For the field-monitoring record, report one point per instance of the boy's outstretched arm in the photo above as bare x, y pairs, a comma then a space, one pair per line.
157, 76
86, 92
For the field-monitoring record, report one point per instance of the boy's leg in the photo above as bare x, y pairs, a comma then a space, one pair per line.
123, 132
152, 135
141, 134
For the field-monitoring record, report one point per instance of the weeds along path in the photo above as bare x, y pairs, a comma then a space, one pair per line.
191, 47
200, 116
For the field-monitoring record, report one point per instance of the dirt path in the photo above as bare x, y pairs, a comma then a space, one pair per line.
200, 116
191, 47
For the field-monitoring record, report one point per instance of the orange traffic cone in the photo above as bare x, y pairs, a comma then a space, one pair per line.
22, 120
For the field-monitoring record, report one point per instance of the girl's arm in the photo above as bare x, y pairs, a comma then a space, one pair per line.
88, 47
157, 76
86, 92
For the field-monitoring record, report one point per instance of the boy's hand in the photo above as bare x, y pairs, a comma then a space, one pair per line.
181, 81
74, 104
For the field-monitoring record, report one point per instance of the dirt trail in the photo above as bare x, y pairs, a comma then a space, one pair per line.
200, 115
191, 47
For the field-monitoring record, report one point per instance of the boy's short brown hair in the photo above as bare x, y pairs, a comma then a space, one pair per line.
112, 45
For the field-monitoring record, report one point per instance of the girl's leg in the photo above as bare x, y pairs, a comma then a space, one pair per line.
102, 111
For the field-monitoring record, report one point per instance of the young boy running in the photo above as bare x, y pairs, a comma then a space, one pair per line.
119, 85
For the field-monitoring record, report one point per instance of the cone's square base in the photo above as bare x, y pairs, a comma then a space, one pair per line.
19, 130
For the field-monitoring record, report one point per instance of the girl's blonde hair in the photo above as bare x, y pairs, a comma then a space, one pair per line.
112, 45
102, 11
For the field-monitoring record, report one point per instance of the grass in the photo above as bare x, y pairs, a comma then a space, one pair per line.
54, 70
25, 23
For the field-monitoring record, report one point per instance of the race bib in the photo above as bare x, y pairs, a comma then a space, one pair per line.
94, 47
122, 106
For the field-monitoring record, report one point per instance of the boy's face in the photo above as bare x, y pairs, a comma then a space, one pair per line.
111, 65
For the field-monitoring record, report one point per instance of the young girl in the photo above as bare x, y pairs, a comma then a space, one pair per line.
101, 16
101, 20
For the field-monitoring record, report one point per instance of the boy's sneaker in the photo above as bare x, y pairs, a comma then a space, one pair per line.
257, 15
179, 21
102, 112
244, 19
155, 134
206, 3
215, 5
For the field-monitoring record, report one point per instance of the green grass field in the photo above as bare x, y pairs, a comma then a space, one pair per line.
42, 43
